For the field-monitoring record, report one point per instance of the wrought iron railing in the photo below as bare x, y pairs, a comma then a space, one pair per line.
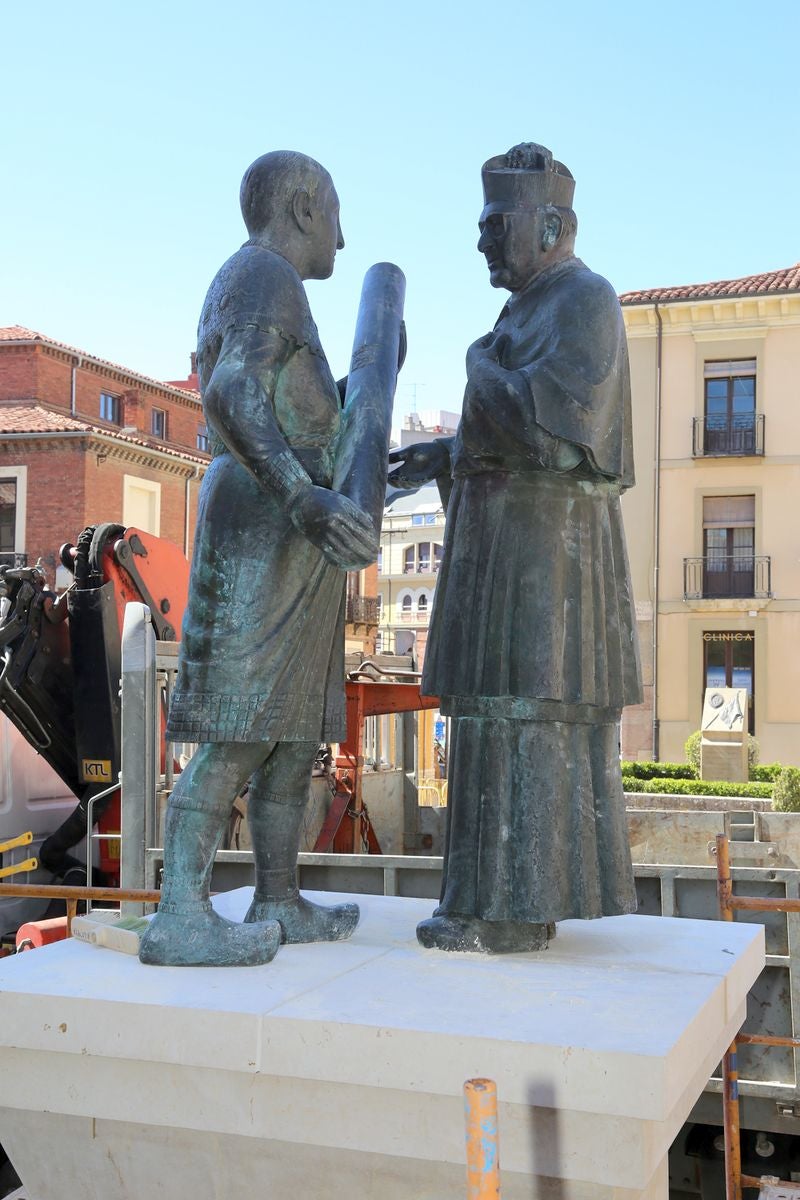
362, 610
739, 435
727, 576
10, 558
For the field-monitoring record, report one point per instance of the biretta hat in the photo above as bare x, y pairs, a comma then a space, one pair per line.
525, 178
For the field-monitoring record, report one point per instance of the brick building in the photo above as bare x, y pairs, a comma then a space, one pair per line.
83, 440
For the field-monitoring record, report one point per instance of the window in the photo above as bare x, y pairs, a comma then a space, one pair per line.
109, 408
13, 494
406, 604
728, 545
729, 661
417, 519
202, 437
158, 423
380, 607
380, 560
417, 560
730, 407
424, 518
8, 516
422, 604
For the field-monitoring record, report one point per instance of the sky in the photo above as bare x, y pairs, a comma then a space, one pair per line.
127, 128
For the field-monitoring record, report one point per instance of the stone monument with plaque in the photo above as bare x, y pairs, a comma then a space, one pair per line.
723, 745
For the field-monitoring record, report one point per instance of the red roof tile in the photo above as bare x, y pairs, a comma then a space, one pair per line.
33, 418
769, 283
18, 333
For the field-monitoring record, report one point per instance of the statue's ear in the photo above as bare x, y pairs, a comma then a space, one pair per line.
301, 209
553, 224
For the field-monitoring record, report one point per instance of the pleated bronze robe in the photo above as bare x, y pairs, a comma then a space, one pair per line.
533, 646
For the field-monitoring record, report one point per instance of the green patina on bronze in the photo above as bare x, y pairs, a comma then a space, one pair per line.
532, 645
261, 667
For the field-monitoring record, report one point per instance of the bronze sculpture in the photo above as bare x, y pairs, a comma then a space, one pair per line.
532, 646
261, 668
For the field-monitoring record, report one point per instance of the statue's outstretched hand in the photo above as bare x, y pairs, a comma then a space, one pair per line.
343, 533
421, 463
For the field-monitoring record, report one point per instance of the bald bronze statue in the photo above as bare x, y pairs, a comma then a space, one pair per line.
532, 646
261, 668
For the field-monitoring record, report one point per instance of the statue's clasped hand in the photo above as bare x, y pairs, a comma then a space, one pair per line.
420, 463
343, 533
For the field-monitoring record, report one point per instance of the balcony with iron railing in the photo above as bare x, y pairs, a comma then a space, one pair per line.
13, 558
728, 577
362, 610
737, 436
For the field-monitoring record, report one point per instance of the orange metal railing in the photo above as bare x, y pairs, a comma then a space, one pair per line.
728, 904
73, 895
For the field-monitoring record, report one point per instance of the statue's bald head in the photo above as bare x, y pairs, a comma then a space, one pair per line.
270, 183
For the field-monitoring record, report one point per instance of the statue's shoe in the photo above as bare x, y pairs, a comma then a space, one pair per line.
204, 939
303, 921
470, 934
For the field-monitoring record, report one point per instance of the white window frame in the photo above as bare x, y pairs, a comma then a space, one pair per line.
116, 403
20, 476
145, 485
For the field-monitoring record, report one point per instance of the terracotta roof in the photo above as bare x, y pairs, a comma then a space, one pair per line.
18, 333
769, 283
33, 418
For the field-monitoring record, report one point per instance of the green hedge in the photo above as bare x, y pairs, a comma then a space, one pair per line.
697, 787
787, 790
658, 770
766, 773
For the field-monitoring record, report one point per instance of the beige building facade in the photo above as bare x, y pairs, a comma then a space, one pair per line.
412, 542
713, 525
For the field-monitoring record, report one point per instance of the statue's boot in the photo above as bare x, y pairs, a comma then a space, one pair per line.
471, 934
275, 805
186, 932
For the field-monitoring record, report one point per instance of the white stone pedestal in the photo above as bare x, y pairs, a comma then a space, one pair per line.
336, 1071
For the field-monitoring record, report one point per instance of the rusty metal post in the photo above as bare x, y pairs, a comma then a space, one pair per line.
730, 1117
724, 884
730, 1060
483, 1151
